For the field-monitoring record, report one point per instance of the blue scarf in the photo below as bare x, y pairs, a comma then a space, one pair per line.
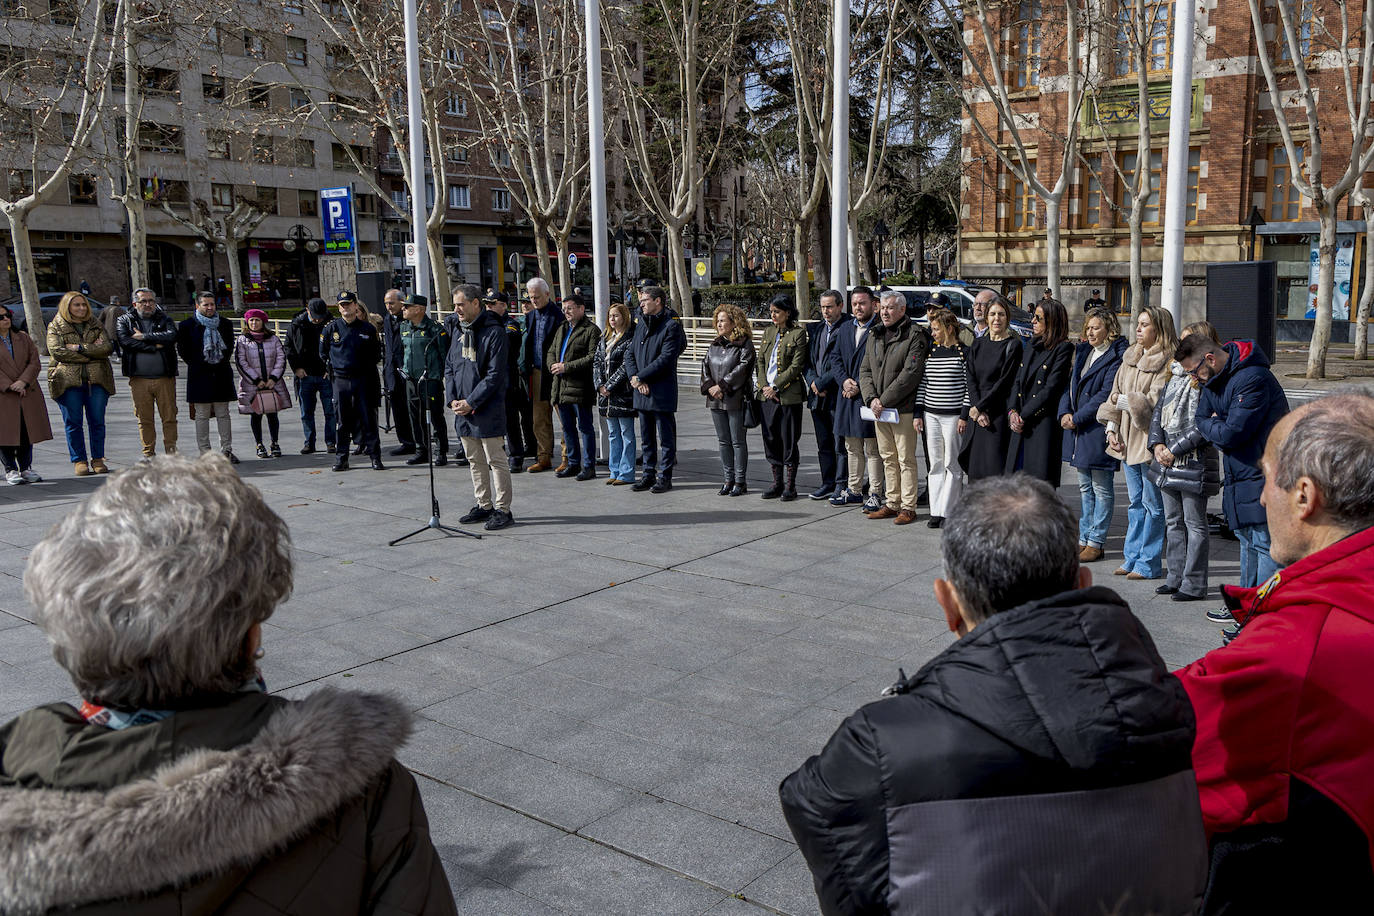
212, 347
118, 720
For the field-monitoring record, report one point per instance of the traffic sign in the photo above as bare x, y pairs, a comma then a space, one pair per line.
514, 262
572, 259
412, 259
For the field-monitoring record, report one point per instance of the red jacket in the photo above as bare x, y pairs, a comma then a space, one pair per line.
1292, 695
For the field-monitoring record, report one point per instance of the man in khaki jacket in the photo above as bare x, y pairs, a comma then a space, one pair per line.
893, 365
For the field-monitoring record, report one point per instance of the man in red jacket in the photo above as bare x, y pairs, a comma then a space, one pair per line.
1285, 713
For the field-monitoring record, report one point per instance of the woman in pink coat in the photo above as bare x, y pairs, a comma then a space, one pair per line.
23, 415
262, 363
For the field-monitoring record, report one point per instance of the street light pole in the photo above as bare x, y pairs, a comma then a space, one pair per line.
839, 173
415, 117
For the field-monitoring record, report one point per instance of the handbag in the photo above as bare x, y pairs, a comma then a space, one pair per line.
752, 415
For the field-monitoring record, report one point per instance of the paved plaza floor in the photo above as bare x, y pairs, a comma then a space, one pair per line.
607, 693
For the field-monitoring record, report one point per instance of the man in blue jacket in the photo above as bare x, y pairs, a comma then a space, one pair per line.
651, 364
1241, 402
823, 391
475, 390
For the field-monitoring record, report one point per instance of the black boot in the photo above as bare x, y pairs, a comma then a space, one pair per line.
789, 490
727, 484
775, 490
740, 487
646, 481
664, 482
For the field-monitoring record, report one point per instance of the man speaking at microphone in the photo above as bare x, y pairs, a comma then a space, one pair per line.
424, 345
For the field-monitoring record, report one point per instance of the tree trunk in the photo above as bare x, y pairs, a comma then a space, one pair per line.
28, 281
236, 274
1052, 228
133, 192
565, 274
1137, 267
920, 255
680, 290
1326, 274
801, 287
541, 249
438, 266
851, 247
1367, 288
819, 235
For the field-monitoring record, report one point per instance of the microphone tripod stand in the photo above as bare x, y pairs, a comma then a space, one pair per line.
413, 394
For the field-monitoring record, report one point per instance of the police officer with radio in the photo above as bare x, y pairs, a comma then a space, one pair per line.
351, 349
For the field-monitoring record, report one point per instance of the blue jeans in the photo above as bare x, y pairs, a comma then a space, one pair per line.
1144, 550
579, 429
90, 400
306, 390
1096, 489
1256, 566
620, 431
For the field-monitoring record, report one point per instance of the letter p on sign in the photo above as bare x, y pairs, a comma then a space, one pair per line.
336, 212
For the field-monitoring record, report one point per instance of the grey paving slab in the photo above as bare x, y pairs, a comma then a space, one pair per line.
655, 715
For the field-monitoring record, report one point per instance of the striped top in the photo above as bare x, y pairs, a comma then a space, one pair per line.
944, 387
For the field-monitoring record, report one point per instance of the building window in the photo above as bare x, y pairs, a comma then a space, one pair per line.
81, 189
212, 88
222, 197
160, 138
1304, 16
1150, 213
210, 38
336, 57
429, 193
62, 12
456, 154
500, 158
1285, 201
400, 200
299, 99
1156, 32
455, 105
366, 205
218, 144
1022, 201
1092, 201
20, 183
262, 149
267, 200
308, 203
174, 193
500, 200
296, 51
1025, 57
254, 46
159, 81
258, 96
1194, 173
303, 154
460, 197
293, 7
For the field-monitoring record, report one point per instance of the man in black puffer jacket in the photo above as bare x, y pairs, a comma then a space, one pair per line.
1040, 764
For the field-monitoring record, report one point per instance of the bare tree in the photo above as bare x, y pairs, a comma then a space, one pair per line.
1034, 32
229, 230
1365, 200
1352, 54
528, 85
52, 90
676, 116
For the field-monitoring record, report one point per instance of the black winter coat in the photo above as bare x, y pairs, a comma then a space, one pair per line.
818, 367
476, 372
303, 344
658, 342
608, 371
159, 336
1040, 383
992, 368
393, 355
207, 384
1044, 756
1085, 446
845, 360
1248, 402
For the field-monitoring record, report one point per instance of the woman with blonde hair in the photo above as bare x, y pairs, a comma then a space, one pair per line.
80, 380
614, 399
1127, 414
942, 404
726, 375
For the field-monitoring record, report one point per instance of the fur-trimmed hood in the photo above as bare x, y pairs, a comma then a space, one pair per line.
203, 812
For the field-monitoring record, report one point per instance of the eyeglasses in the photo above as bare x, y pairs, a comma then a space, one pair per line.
4, 317
140, 302
1194, 371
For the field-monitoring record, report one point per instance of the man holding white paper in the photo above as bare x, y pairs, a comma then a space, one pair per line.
893, 365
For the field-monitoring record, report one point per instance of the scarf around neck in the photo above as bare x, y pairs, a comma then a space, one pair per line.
212, 343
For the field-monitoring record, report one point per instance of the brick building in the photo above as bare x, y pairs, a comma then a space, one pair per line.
1236, 156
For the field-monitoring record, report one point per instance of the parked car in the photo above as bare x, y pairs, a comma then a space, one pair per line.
48, 303
959, 300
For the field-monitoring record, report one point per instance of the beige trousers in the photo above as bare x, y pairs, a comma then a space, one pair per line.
159, 393
543, 420
897, 446
490, 469
863, 455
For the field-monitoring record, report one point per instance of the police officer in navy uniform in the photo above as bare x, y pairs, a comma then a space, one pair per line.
351, 349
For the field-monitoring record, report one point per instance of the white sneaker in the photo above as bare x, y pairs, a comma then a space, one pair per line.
31, 476
14, 478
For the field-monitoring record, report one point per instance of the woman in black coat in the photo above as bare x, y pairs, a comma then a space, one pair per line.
614, 399
993, 361
1037, 439
209, 373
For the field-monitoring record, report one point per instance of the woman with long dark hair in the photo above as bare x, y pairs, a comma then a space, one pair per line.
993, 361
1037, 439
1095, 362
781, 362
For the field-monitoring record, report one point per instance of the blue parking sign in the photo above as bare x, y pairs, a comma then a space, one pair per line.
336, 212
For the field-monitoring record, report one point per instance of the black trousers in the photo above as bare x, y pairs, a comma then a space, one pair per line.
426, 401
658, 428
519, 423
830, 451
356, 414
781, 428
401, 415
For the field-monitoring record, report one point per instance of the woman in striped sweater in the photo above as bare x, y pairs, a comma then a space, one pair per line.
942, 409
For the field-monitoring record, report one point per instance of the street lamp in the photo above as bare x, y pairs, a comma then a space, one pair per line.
299, 239
880, 233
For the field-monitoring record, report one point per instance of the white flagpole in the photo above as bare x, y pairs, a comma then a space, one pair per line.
839, 171
600, 263
418, 215
1176, 185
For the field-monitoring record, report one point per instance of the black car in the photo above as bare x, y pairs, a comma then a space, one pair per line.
48, 303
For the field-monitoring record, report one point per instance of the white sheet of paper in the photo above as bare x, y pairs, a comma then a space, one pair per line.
889, 415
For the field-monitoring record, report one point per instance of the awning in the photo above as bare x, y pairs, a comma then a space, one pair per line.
1309, 227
